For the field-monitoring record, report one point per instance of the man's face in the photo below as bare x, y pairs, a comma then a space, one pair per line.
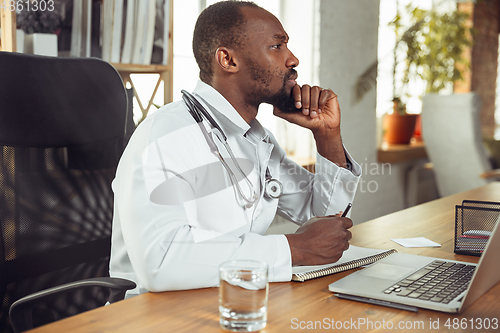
268, 65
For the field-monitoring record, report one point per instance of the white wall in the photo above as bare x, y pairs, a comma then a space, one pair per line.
348, 44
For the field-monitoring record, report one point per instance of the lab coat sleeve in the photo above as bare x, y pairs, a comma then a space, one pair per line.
164, 255
157, 241
325, 192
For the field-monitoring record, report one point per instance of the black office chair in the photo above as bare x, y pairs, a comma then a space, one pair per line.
63, 124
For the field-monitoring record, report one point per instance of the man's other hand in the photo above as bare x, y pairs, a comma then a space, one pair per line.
321, 241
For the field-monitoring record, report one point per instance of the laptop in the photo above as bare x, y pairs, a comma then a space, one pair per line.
410, 282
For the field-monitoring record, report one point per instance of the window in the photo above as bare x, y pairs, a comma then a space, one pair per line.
386, 44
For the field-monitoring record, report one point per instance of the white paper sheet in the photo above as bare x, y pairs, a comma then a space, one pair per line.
416, 242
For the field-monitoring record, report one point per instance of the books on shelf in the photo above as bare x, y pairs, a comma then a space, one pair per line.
116, 33
354, 257
150, 32
95, 30
128, 37
107, 28
86, 27
76, 31
162, 31
166, 31
121, 31
141, 10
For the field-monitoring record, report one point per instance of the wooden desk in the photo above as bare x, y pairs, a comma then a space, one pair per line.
292, 304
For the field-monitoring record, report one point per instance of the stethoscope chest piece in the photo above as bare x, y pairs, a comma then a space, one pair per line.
273, 188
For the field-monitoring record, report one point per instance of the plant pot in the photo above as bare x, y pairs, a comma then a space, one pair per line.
399, 129
418, 129
41, 44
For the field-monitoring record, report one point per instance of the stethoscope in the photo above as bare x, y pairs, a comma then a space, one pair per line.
273, 188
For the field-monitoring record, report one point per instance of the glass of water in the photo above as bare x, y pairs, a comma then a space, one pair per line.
243, 295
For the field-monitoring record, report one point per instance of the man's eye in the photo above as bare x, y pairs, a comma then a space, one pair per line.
277, 46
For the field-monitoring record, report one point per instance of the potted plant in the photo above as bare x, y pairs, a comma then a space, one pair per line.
40, 26
434, 47
433, 43
399, 126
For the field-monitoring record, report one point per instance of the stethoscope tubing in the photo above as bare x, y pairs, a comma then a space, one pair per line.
198, 112
272, 189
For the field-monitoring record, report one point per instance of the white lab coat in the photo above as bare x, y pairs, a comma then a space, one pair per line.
177, 215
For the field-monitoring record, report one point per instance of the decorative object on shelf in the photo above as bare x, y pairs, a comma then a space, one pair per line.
40, 26
41, 44
20, 37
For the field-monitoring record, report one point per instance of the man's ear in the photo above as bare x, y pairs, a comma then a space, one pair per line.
225, 58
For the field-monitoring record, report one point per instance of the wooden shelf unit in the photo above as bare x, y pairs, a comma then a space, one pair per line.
8, 26
8, 43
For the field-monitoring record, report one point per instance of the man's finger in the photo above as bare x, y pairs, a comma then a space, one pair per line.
347, 222
325, 96
314, 99
297, 96
306, 93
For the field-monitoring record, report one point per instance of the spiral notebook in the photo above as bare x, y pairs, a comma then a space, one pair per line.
354, 257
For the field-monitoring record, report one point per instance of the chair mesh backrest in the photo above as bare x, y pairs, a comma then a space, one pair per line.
62, 128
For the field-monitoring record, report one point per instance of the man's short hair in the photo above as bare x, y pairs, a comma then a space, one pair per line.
220, 24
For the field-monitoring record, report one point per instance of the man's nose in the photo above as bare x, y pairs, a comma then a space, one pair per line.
292, 60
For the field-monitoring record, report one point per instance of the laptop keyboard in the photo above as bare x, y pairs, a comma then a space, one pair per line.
440, 281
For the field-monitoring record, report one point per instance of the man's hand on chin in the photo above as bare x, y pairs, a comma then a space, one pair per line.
320, 109
321, 114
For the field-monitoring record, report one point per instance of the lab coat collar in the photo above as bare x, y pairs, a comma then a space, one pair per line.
258, 130
225, 114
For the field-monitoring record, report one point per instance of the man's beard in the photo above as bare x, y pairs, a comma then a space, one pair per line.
283, 99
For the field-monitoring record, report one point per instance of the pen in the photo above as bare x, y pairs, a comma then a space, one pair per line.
347, 209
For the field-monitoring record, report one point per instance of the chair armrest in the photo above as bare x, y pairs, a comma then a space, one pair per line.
493, 174
20, 311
